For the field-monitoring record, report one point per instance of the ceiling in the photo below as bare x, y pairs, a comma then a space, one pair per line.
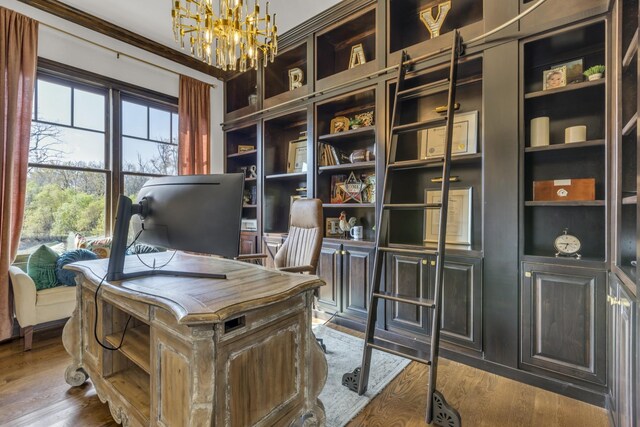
152, 18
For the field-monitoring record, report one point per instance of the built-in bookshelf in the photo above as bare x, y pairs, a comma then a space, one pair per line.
418, 159
241, 150
241, 94
288, 76
285, 163
334, 47
346, 153
549, 108
627, 146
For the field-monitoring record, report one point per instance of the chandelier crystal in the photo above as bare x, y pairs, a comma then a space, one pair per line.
234, 39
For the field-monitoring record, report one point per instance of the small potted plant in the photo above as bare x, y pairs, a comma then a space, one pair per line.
355, 123
594, 73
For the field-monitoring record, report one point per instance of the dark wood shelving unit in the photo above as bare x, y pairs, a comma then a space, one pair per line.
334, 45
348, 205
568, 88
292, 175
242, 154
510, 234
566, 203
347, 166
366, 131
572, 146
235, 161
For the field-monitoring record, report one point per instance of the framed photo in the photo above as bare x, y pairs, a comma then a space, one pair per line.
554, 78
465, 137
245, 148
574, 70
332, 228
458, 218
339, 124
297, 158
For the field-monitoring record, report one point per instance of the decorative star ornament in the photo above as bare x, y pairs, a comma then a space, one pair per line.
352, 189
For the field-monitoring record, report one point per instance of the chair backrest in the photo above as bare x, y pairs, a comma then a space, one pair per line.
303, 244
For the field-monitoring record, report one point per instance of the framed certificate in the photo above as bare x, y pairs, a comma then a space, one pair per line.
297, 158
465, 137
458, 218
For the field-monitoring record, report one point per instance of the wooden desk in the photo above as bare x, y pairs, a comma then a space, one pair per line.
199, 352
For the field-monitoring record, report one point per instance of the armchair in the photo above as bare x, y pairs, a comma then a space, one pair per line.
33, 307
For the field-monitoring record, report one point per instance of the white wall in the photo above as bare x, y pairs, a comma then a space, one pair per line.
58, 46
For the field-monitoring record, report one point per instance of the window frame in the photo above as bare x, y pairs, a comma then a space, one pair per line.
115, 92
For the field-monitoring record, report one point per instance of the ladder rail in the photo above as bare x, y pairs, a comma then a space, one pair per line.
442, 232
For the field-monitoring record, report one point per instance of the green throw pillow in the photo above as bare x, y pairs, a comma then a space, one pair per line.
41, 267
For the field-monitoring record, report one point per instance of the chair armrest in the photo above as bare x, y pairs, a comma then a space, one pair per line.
24, 291
298, 269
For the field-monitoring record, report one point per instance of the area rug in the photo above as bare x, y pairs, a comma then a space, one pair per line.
344, 354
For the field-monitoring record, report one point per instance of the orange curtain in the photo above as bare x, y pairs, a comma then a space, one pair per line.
194, 111
18, 62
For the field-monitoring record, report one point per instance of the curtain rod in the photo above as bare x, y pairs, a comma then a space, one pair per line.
118, 53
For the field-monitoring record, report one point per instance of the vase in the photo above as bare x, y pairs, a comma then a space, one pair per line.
596, 76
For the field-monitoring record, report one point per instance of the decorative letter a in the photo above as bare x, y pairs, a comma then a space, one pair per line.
434, 25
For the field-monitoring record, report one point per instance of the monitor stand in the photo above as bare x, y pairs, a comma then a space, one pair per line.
126, 209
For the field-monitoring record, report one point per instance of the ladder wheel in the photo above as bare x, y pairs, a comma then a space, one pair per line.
444, 415
350, 380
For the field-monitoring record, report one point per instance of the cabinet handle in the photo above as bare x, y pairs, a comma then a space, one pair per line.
433, 263
527, 274
344, 252
337, 253
424, 262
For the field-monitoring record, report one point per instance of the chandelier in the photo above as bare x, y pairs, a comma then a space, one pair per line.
231, 40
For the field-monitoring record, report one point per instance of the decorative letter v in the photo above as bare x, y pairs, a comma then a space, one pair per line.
434, 25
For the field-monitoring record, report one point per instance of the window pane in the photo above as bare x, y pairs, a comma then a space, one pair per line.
133, 184
174, 128
51, 144
59, 202
159, 125
149, 157
134, 120
54, 103
88, 110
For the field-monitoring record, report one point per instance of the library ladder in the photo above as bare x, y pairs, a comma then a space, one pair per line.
438, 411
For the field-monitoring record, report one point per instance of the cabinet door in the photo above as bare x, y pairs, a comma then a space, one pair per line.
330, 270
461, 312
612, 344
563, 323
248, 243
356, 279
407, 275
270, 246
624, 359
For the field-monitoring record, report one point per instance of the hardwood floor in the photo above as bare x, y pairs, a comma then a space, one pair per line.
33, 393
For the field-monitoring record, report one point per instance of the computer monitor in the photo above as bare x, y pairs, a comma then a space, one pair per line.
195, 213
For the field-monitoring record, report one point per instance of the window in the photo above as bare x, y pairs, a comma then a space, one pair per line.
90, 142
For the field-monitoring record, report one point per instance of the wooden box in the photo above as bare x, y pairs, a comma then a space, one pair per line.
564, 189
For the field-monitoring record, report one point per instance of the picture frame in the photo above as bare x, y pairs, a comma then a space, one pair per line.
245, 148
574, 72
554, 78
339, 124
297, 156
332, 227
465, 137
458, 218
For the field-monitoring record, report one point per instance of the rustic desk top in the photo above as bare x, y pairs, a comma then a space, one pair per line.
198, 300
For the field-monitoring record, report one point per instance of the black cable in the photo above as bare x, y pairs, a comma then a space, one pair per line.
95, 305
154, 262
330, 318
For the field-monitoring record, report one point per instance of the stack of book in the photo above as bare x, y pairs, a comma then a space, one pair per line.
330, 155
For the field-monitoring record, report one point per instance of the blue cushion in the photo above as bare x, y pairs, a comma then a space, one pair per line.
67, 277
